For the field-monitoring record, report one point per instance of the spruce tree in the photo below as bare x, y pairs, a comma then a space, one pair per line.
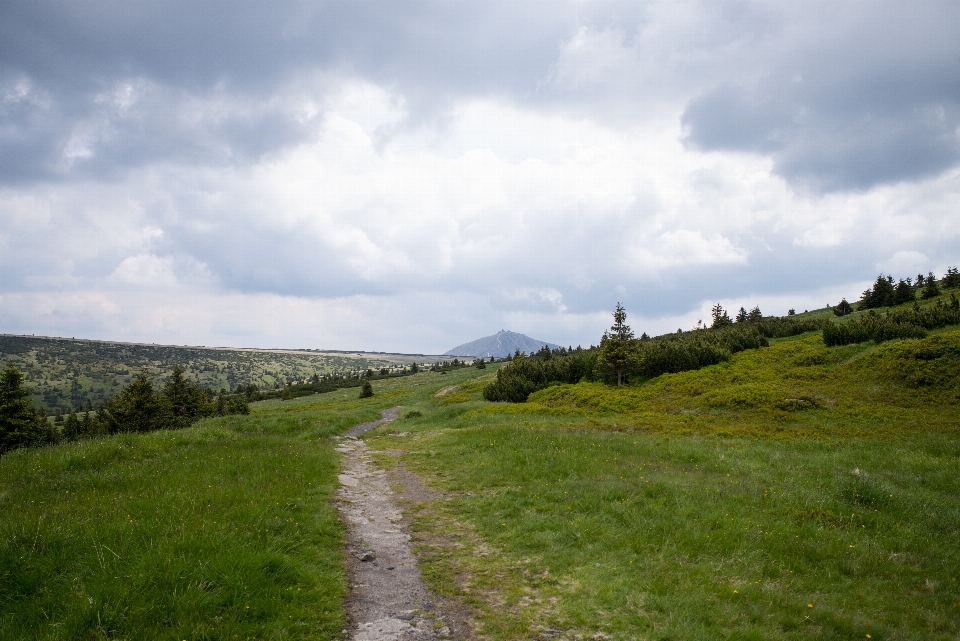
620, 330
619, 353
903, 292
930, 289
20, 426
138, 408
741, 316
720, 316
843, 308
367, 390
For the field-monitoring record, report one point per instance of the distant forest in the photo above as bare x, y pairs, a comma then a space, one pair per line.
65, 374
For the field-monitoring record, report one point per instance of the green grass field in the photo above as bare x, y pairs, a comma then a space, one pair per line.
224, 530
796, 492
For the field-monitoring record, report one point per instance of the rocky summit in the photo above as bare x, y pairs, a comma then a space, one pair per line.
501, 344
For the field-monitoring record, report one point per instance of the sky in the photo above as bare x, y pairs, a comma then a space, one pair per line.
409, 176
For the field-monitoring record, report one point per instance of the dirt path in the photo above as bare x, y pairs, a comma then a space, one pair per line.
388, 600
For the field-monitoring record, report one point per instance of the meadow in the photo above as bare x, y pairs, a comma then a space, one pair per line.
223, 530
797, 491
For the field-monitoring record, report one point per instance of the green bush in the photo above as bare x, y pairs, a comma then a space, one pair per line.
517, 380
898, 324
367, 390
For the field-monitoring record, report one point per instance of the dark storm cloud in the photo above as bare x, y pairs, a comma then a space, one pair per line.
872, 99
60, 60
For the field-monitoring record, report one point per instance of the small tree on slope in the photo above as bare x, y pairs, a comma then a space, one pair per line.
20, 425
619, 351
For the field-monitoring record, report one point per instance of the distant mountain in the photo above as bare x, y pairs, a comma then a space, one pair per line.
501, 344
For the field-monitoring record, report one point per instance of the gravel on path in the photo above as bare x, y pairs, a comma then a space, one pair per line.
388, 600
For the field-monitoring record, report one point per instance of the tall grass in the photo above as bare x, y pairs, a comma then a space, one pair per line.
224, 530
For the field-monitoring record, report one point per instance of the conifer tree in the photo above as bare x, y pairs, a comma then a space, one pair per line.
843, 308
951, 278
755, 316
138, 408
619, 352
20, 426
620, 330
741, 316
720, 316
367, 390
903, 292
930, 289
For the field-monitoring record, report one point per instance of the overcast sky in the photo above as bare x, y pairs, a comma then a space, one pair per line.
409, 176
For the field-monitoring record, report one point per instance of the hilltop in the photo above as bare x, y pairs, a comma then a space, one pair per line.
503, 343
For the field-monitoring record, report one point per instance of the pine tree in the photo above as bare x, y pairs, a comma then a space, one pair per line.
720, 317
741, 316
20, 426
843, 308
367, 390
755, 316
138, 408
620, 329
619, 353
930, 289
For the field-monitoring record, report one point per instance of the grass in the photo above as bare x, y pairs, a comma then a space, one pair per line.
797, 492
706, 504
224, 530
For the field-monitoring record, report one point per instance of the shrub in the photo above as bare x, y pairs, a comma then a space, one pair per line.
367, 390
843, 308
900, 323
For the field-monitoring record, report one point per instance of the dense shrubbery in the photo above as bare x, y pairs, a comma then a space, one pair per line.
525, 375
686, 351
900, 323
784, 326
644, 357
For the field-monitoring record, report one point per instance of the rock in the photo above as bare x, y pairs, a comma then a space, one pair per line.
366, 556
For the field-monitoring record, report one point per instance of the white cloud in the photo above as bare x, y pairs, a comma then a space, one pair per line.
398, 202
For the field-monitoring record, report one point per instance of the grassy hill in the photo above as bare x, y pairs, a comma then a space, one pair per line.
796, 491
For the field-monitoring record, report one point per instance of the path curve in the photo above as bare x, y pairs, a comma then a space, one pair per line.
388, 599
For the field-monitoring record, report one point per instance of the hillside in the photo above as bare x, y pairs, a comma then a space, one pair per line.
64, 373
503, 343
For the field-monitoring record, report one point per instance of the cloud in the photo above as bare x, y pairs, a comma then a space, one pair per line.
852, 98
295, 175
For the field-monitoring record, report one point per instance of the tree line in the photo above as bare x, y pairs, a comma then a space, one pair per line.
621, 356
139, 407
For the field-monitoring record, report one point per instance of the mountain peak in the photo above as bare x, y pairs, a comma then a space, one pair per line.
503, 343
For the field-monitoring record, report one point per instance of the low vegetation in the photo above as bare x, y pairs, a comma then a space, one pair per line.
222, 530
754, 479
798, 491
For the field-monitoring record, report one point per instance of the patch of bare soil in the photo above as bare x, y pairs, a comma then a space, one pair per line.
388, 599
